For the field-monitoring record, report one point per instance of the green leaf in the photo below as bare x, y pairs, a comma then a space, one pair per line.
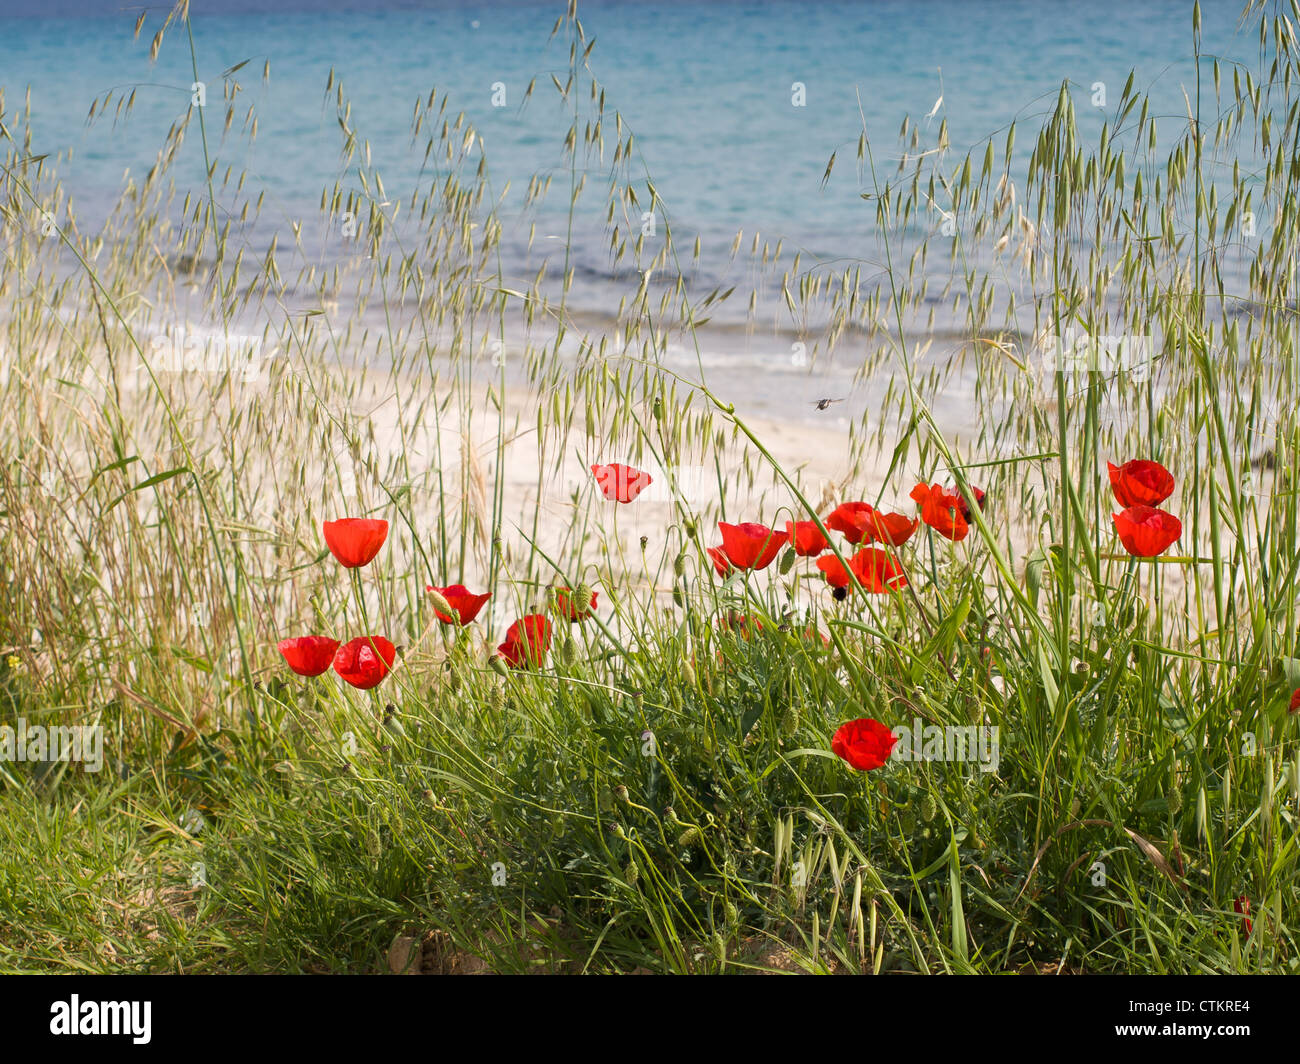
151, 482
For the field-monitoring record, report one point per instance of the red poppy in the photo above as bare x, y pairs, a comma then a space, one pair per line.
1146, 531
1140, 483
894, 529
464, 603
864, 743
571, 604
945, 509
877, 571
527, 641
1294, 707
719, 558
620, 483
365, 661
859, 521
355, 540
1241, 906
309, 655
750, 546
851, 519
806, 538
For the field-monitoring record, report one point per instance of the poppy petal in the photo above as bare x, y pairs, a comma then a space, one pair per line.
865, 744
365, 661
354, 541
309, 655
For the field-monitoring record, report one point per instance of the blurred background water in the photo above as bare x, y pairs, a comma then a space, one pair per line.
705, 87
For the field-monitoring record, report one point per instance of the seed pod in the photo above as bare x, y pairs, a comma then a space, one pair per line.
929, 807
497, 662
719, 947
440, 604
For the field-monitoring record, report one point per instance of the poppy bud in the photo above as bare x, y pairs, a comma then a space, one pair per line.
679, 600
679, 564
440, 603
790, 721
1175, 801
786, 563
929, 807
690, 529
631, 873
498, 699
568, 652
584, 598
688, 838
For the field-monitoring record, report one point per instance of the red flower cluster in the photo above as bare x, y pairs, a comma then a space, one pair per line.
1139, 486
364, 661
861, 522
754, 546
877, 571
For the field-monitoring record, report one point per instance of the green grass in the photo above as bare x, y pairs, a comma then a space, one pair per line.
161, 532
